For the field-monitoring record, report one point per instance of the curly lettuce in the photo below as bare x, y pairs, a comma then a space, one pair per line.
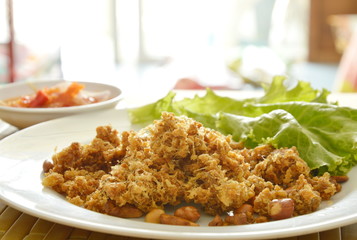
324, 133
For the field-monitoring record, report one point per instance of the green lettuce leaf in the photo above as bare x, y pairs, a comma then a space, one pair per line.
324, 133
210, 104
302, 91
150, 112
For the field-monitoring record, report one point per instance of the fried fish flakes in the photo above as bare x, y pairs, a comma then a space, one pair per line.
177, 160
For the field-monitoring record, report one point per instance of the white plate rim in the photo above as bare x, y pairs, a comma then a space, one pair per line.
335, 213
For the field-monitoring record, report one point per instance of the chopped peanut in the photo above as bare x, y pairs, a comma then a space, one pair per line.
246, 213
126, 211
281, 208
217, 221
154, 215
245, 208
340, 179
47, 166
188, 212
237, 219
173, 220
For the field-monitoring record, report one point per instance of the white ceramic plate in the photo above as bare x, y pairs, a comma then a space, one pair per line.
24, 117
22, 155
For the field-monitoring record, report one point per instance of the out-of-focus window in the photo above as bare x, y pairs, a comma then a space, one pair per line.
92, 39
257, 38
172, 28
61, 39
36, 39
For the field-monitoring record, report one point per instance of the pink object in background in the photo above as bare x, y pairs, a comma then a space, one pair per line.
11, 43
191, 83
346, 80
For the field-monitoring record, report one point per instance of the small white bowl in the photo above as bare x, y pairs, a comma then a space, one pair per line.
25, 117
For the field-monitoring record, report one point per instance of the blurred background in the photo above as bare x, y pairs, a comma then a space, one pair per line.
182, 44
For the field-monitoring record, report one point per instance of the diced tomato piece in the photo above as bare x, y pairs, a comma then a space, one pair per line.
40, 99
68, 98
74, 89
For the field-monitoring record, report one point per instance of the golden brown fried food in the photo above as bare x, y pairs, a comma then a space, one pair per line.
177, 160
282, 167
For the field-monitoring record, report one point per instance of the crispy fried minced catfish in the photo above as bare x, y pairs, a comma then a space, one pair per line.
177, 160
